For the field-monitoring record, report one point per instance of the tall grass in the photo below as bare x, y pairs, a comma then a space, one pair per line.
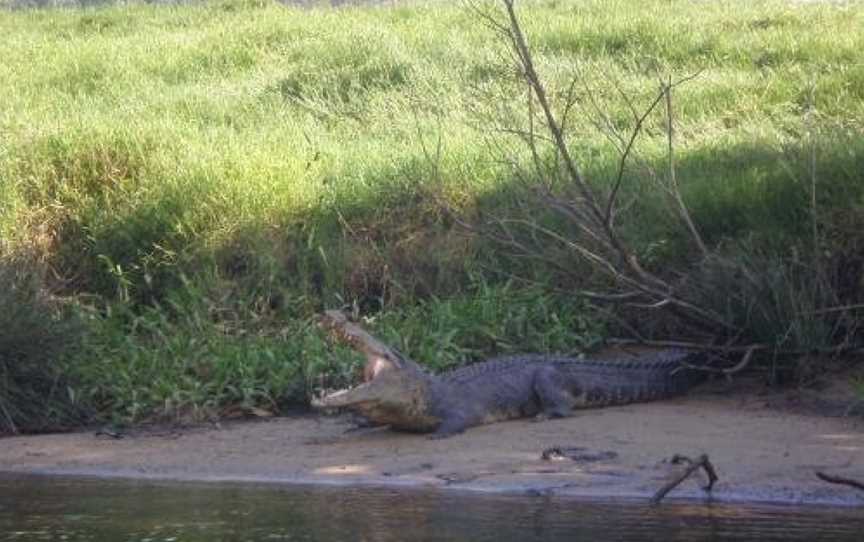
205, 177
37, 334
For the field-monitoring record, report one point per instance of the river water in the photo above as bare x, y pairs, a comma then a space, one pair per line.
50, 509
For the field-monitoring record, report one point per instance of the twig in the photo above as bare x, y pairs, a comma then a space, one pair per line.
673, 179
729, 371
613, 194
808, 120
702, 461
687, 345
612, 315
506, 238
843, 308
638, 283
831, 479
569, 102
524, 135
745, 360
615, 297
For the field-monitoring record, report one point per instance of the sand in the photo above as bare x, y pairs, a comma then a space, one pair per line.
762, 453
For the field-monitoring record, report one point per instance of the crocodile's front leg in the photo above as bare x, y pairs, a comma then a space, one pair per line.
451, 425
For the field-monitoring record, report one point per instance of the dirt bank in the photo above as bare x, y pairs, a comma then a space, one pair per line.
762, 453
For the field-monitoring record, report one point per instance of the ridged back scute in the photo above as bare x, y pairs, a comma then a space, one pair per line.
667, 367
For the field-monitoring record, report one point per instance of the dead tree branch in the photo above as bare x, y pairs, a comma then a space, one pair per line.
701, 462
831, 479
591, 213
637, 129
673, 178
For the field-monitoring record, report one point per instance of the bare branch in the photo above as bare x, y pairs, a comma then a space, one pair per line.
673, 179
602, 248
569, 102
524, 55
831, 479
613, 194
686, 78
524, 135
702, 461
745, 360
488, 19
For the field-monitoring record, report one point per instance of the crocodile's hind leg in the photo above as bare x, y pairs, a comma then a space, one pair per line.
555, 396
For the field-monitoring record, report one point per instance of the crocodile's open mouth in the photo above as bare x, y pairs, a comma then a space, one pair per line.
396, 398
346, 397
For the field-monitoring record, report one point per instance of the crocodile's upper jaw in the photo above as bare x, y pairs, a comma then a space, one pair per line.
395, 398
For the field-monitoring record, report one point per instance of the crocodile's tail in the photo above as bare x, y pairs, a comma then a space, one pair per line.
646, 377
668, 361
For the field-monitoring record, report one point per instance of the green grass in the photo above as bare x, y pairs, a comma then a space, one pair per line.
183, 168
35, 393
176, 363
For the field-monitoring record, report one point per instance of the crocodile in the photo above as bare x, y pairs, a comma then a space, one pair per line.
400, 393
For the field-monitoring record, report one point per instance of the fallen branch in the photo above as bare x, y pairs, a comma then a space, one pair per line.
831, 479
576, 453
726, 371
844, 308
701, 462
745, 360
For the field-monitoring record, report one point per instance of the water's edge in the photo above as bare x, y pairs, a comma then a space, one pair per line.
785, 496
99, 509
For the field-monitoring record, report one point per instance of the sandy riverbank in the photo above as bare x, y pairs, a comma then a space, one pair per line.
762, 453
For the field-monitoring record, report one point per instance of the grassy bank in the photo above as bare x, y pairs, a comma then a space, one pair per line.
197, 181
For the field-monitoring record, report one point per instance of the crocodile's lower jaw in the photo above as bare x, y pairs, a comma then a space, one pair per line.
402, 421
413, 416
395, 398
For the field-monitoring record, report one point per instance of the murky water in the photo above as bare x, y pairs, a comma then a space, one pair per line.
46, 509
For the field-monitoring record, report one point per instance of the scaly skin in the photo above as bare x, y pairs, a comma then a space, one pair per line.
512, 387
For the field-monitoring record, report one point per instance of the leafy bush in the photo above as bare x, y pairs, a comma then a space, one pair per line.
490, 320
202, 354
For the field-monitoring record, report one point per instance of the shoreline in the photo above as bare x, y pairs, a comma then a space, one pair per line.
763, 455
685, 496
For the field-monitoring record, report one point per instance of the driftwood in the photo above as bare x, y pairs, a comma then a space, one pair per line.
577, 454
379, 356
702, 461
831, 479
